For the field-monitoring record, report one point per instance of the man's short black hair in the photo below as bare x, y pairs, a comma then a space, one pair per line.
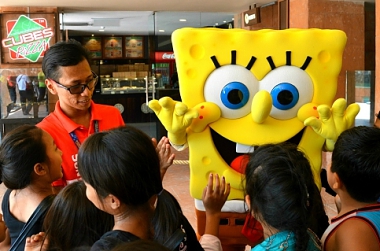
63, 53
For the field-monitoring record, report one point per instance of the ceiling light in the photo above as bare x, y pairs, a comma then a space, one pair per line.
92, 35
161, 30
233, 19
216, 23
102, 27
101, 30
182, 20
224, 21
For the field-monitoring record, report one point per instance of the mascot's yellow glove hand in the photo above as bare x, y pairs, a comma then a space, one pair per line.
175, 117
332, 122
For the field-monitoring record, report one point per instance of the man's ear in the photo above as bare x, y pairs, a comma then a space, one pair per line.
40, 169
51, 86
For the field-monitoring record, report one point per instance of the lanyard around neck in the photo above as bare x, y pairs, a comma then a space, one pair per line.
75, 139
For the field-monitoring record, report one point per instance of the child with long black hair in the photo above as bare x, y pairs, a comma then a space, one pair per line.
282, 196
29, 162
72, 221
121, 170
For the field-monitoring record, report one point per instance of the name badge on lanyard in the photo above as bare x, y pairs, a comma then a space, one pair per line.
75, 139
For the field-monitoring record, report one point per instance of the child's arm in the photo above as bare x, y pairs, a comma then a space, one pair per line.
214, 197
355, 234
6, 243
3, 229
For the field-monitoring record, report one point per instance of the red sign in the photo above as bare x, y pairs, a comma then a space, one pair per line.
164, 56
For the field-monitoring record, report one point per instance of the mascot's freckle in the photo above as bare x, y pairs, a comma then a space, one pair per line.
241, 89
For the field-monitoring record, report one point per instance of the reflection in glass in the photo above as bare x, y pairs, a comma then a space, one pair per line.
360, 90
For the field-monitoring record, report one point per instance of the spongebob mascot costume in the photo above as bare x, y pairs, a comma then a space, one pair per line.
244, 88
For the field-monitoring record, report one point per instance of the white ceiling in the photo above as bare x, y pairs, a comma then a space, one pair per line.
139, 22
140, 17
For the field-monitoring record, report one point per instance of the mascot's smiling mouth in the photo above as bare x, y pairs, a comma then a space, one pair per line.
237, 161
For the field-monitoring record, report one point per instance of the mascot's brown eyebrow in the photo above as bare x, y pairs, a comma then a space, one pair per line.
233, 61
289, 61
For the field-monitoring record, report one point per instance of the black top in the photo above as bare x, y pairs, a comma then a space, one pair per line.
190, 241
15, 226
115, 237
111, 239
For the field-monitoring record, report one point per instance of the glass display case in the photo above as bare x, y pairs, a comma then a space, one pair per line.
111, 85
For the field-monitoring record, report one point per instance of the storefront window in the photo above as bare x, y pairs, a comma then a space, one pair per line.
360, 90
28, 99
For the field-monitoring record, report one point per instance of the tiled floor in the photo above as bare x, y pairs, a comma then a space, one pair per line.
176, 181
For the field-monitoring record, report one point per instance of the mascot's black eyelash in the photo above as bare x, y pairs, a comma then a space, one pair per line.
289, 61
269, 59
233, 61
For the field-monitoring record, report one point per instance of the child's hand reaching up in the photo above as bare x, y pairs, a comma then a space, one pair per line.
214, 196
34, 242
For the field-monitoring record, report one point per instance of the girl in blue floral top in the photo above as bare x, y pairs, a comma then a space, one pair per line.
279, 188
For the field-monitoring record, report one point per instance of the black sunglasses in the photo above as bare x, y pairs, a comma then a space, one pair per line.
79, 88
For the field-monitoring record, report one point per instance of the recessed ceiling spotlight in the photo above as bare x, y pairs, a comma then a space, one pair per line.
161, 30
233, 19
224, 21
92, 35
216, 24
182, 20
102, 27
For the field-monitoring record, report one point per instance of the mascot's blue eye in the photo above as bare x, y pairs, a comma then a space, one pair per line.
231, 88
290, 88
285, 96
234, 95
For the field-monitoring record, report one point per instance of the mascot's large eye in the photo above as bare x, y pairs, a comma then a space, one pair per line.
234, 95
290, 88
232, 88
285, 96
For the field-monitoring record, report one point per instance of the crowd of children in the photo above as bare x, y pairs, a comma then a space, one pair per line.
120, 203
121, 199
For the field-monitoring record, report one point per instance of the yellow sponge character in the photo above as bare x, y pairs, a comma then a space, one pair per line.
265, 86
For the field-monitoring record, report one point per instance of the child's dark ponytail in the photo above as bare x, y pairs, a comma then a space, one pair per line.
166, 217
281, 188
